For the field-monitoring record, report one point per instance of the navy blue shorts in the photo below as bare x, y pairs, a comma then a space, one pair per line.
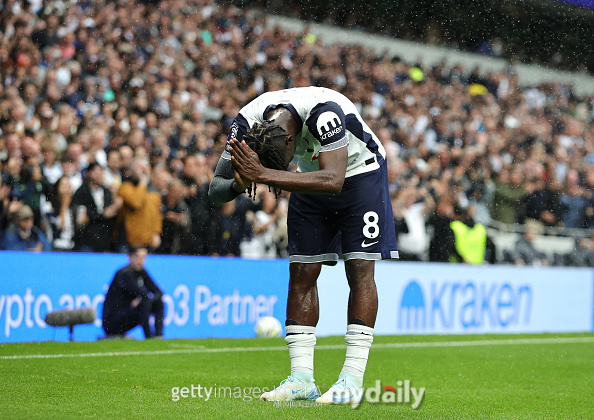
358, 223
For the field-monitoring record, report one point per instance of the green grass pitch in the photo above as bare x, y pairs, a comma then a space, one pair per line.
493, 376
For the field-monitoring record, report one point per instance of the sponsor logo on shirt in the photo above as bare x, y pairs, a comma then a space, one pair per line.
328, 125
232, 134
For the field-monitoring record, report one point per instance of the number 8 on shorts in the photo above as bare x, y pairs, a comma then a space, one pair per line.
371, 229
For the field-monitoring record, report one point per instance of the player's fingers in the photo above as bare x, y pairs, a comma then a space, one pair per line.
234, 149
240, 150
234, 160
234, 155
247, 148
238, 162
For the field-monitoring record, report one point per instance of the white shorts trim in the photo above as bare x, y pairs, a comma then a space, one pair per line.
371, 256
310, 259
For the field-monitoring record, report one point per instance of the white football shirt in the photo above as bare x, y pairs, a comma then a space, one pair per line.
328, 120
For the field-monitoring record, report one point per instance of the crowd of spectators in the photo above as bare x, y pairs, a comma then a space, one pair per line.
113, 115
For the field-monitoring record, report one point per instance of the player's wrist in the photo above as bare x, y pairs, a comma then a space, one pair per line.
263, 176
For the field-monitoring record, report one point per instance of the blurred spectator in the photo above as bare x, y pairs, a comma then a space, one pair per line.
113, 176
470, 238
508, 193
573, 202
196, 176
226, 231
441, 245
23, 235
589, 194
31, 188
264, 221
70, 170
397, 210
413, 244
479, 201
281, 234
96, 147
95, 209
525, 253
127, 155
542, 202
141, 213
582, 255
132, 297
62, 220
8, 207
51, 168
176, 220
160, 180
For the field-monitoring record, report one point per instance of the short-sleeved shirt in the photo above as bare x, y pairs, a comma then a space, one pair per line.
328, 121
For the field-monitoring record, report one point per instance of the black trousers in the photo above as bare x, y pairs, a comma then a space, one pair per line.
129, 317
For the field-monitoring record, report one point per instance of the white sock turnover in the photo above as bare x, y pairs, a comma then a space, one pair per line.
301, 341
358, 340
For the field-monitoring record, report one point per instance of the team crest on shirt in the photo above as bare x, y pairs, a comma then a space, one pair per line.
328, 125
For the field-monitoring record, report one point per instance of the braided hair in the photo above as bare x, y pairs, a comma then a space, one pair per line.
268, 141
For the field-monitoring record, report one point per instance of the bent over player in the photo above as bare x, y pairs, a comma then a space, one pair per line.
339, 202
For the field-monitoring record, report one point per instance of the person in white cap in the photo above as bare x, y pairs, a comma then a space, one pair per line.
22, 235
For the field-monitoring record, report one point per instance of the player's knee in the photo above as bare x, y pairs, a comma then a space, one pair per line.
360, 272
304, 276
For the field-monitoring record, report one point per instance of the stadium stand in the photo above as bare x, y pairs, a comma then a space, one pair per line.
160, 82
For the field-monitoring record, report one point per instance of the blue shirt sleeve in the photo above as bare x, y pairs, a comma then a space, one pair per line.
239, 127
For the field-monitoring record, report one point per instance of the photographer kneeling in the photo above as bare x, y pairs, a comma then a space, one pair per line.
131, 299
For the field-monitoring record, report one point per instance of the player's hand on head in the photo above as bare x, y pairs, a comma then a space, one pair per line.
245, 160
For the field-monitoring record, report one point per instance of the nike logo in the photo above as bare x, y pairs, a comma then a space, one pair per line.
294, 392
341, 400
364, 245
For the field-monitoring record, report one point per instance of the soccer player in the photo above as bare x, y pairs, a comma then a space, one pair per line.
339, 202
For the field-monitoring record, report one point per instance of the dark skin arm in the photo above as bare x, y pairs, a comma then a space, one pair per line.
328, 180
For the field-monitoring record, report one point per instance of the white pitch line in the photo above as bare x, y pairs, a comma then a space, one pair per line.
380, 346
